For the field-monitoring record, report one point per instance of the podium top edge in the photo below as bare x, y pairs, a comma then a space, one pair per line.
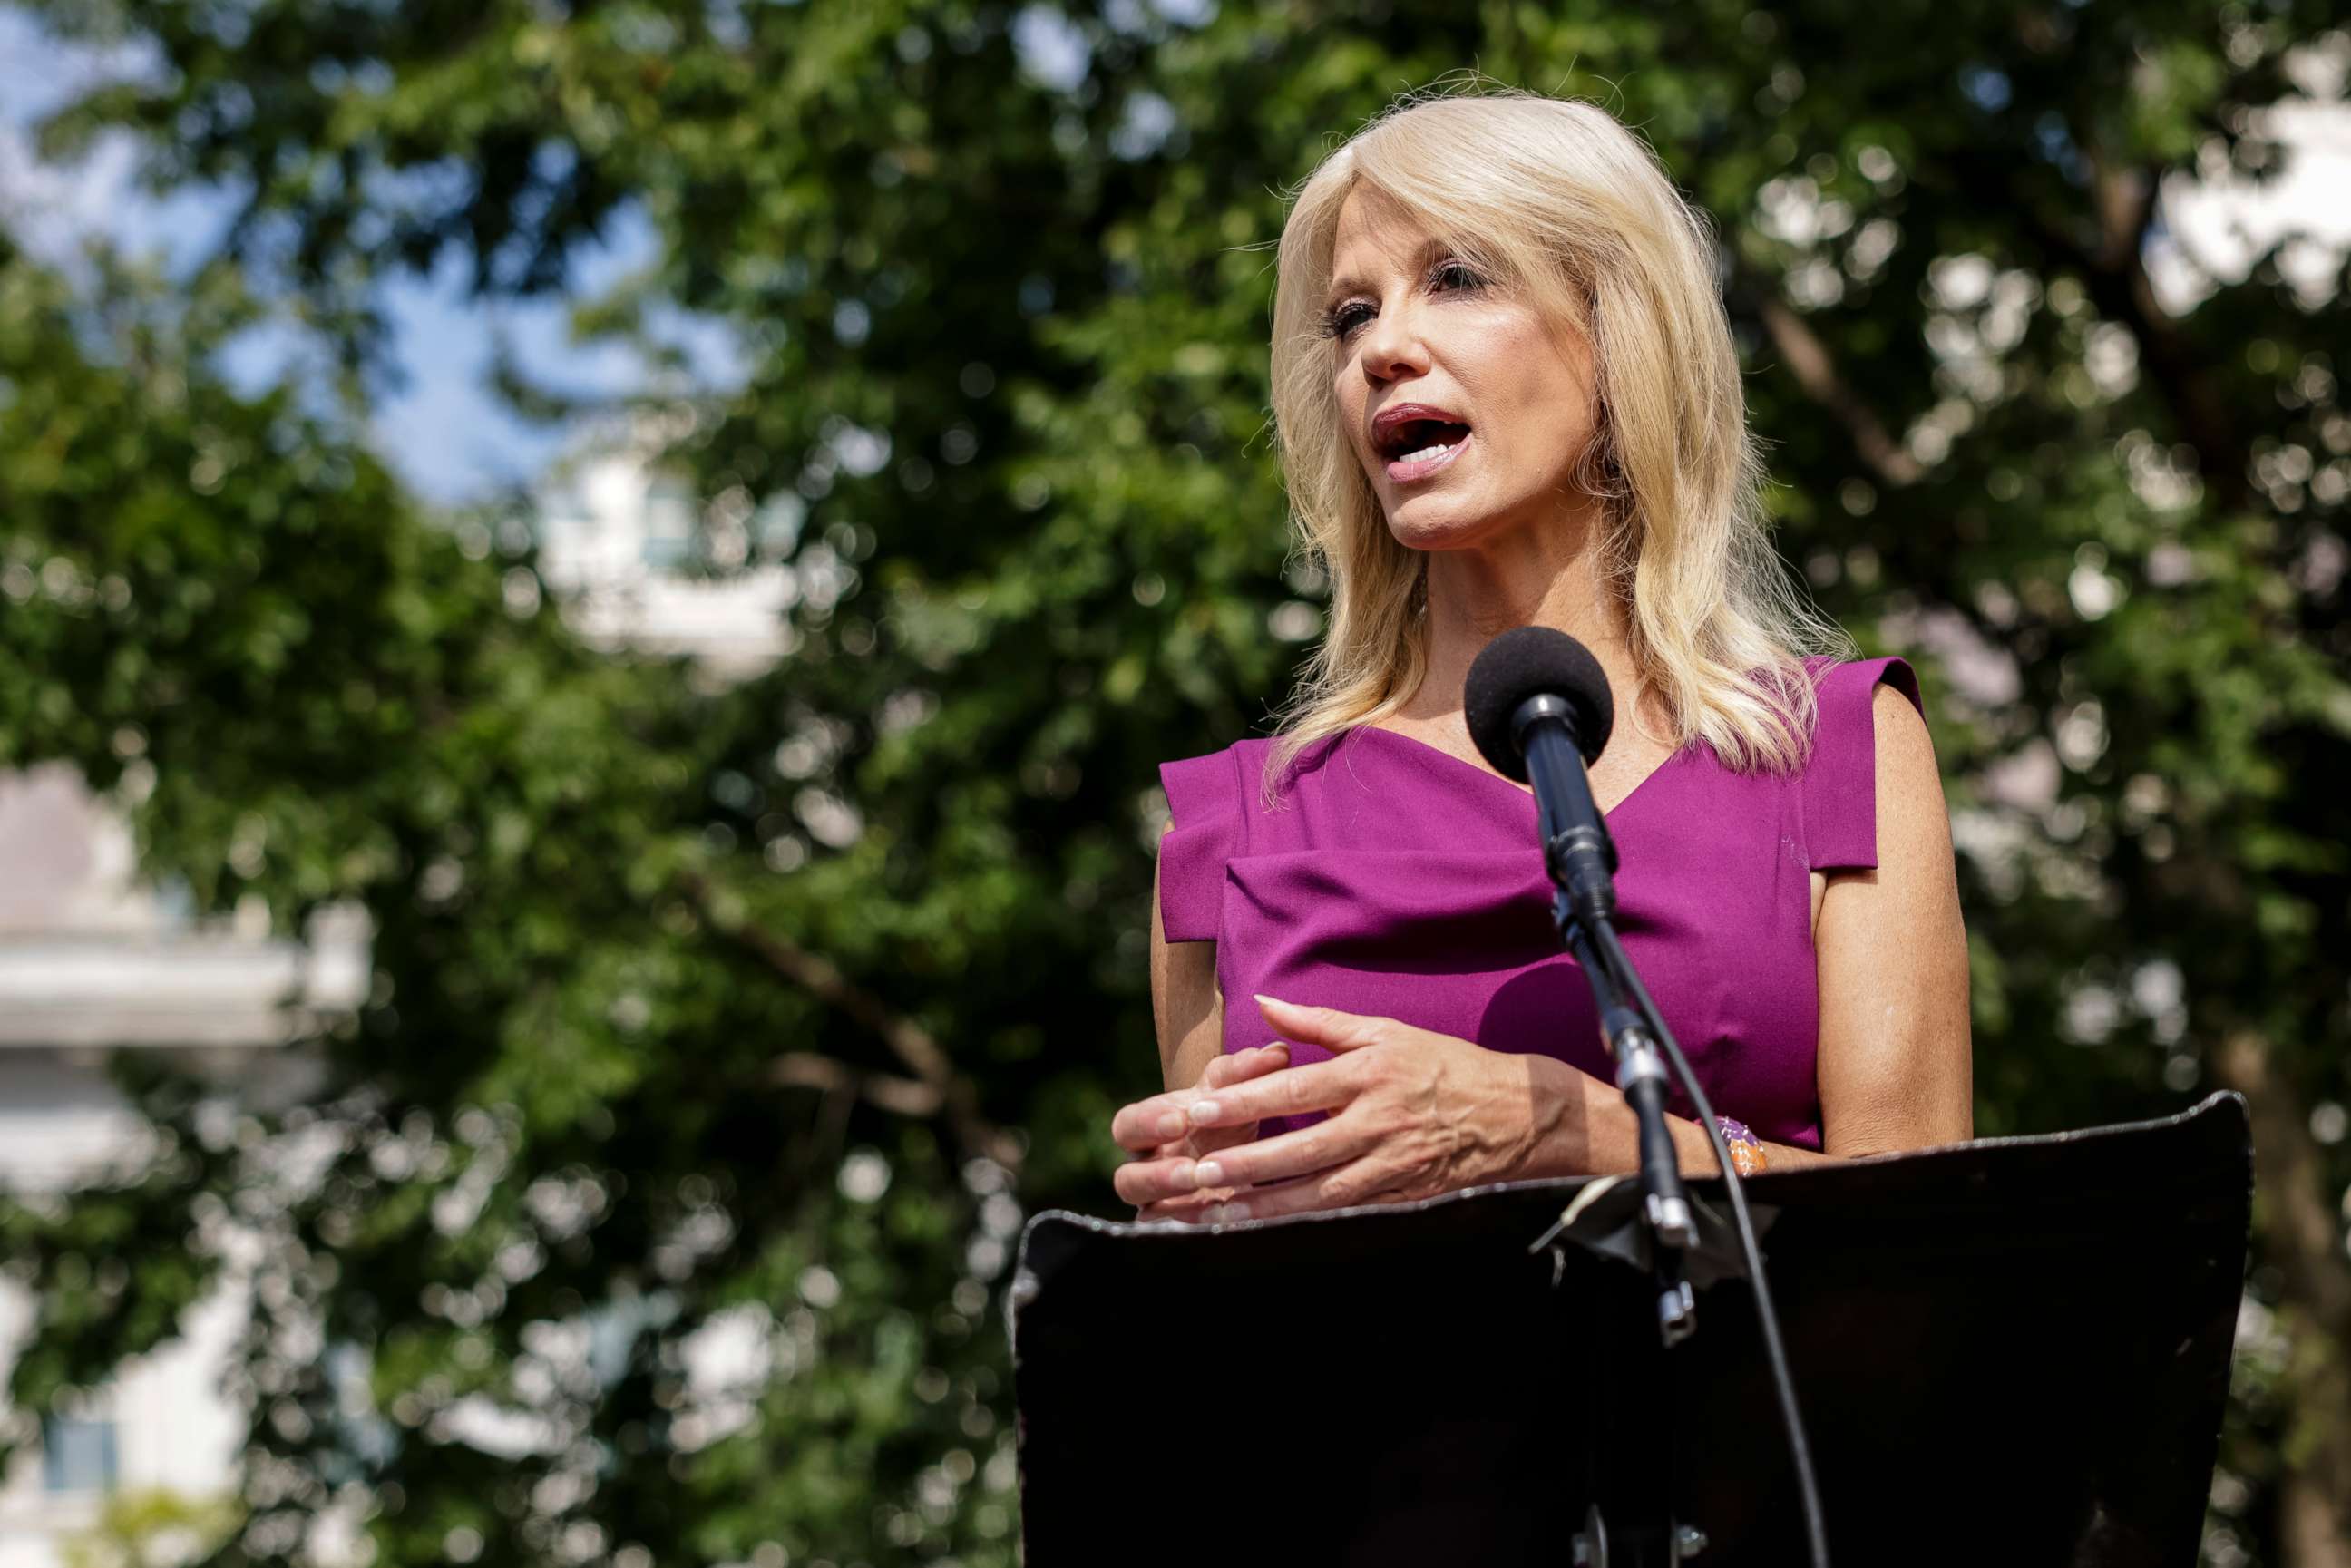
2224, 1102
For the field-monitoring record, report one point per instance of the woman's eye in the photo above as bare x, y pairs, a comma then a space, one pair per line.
1343, 321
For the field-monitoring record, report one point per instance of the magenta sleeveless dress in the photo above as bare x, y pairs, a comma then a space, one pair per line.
1397, 880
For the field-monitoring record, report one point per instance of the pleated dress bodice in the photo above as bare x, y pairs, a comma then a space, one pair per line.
1389, 877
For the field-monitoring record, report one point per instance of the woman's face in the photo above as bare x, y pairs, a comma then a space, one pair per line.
1413, 330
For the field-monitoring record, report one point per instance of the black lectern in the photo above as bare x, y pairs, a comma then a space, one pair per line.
2014, 1352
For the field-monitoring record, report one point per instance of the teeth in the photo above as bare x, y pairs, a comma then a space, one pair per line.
1425, 454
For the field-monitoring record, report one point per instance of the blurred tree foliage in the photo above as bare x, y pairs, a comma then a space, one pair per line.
772, 1006
153, 1528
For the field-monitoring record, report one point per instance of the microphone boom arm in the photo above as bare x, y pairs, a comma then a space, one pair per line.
1582, 859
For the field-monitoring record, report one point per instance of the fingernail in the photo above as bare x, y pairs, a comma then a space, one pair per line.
1208, 1172
1204, 1112
1260, 997
1173, 1126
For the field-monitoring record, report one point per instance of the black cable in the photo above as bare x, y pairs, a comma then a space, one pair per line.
1784, 1383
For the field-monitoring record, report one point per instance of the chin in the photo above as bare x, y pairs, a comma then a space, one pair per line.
1423, 526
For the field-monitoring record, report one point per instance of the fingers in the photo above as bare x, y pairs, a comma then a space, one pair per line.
1192, 1207
1143, 1125
1147, 1124
1348, 1186
1240, 1066
1304, 1151
1299, 1153
1326, 1027
1317, 1086
1174, 1173
1146, 1182
1221, 1205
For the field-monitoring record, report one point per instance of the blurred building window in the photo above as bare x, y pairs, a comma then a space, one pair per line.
77, 1455
669, 523
176, 903
776, 527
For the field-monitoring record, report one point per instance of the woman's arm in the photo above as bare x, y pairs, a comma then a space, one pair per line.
1896, 1066
1188, 1013
1185, 1008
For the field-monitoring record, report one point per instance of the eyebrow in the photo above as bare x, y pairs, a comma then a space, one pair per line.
1429, 251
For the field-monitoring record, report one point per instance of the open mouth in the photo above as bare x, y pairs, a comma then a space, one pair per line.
1417, 448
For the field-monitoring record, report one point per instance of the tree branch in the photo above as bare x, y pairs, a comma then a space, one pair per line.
2122, 204
808, 1069
935, 1089
2299, 1225
1815, 368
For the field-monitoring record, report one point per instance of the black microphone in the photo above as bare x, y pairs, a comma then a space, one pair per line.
1539, 708
1531, 661
1537, 704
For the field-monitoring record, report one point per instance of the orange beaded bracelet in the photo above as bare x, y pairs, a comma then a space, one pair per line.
1745, 1148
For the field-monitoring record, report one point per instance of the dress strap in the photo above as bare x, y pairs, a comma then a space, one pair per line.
1839, 785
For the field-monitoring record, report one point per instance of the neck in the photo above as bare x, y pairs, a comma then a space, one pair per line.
1550, 576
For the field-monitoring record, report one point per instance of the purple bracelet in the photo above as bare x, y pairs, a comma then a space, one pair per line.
1745, 1148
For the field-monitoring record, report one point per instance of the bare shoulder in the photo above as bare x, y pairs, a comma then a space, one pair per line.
1911, 809
1902, 735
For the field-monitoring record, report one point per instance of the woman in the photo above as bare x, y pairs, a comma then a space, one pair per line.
1507, 394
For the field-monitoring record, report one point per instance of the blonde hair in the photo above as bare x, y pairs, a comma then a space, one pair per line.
1557, 199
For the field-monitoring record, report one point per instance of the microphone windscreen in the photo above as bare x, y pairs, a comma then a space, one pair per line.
1526, 661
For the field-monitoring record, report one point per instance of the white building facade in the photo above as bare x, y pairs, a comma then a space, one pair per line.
91, 964
95, 961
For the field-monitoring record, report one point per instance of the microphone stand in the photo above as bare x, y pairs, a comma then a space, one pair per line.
1582, 859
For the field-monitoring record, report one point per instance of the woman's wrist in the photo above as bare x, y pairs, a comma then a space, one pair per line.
1583, 1126
1573, 1120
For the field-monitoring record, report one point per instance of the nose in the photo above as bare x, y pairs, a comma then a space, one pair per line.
1393, 346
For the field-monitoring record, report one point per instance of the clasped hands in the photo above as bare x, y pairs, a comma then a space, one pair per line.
1412, 1113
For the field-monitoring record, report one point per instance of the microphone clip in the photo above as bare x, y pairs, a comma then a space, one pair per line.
1582, 861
